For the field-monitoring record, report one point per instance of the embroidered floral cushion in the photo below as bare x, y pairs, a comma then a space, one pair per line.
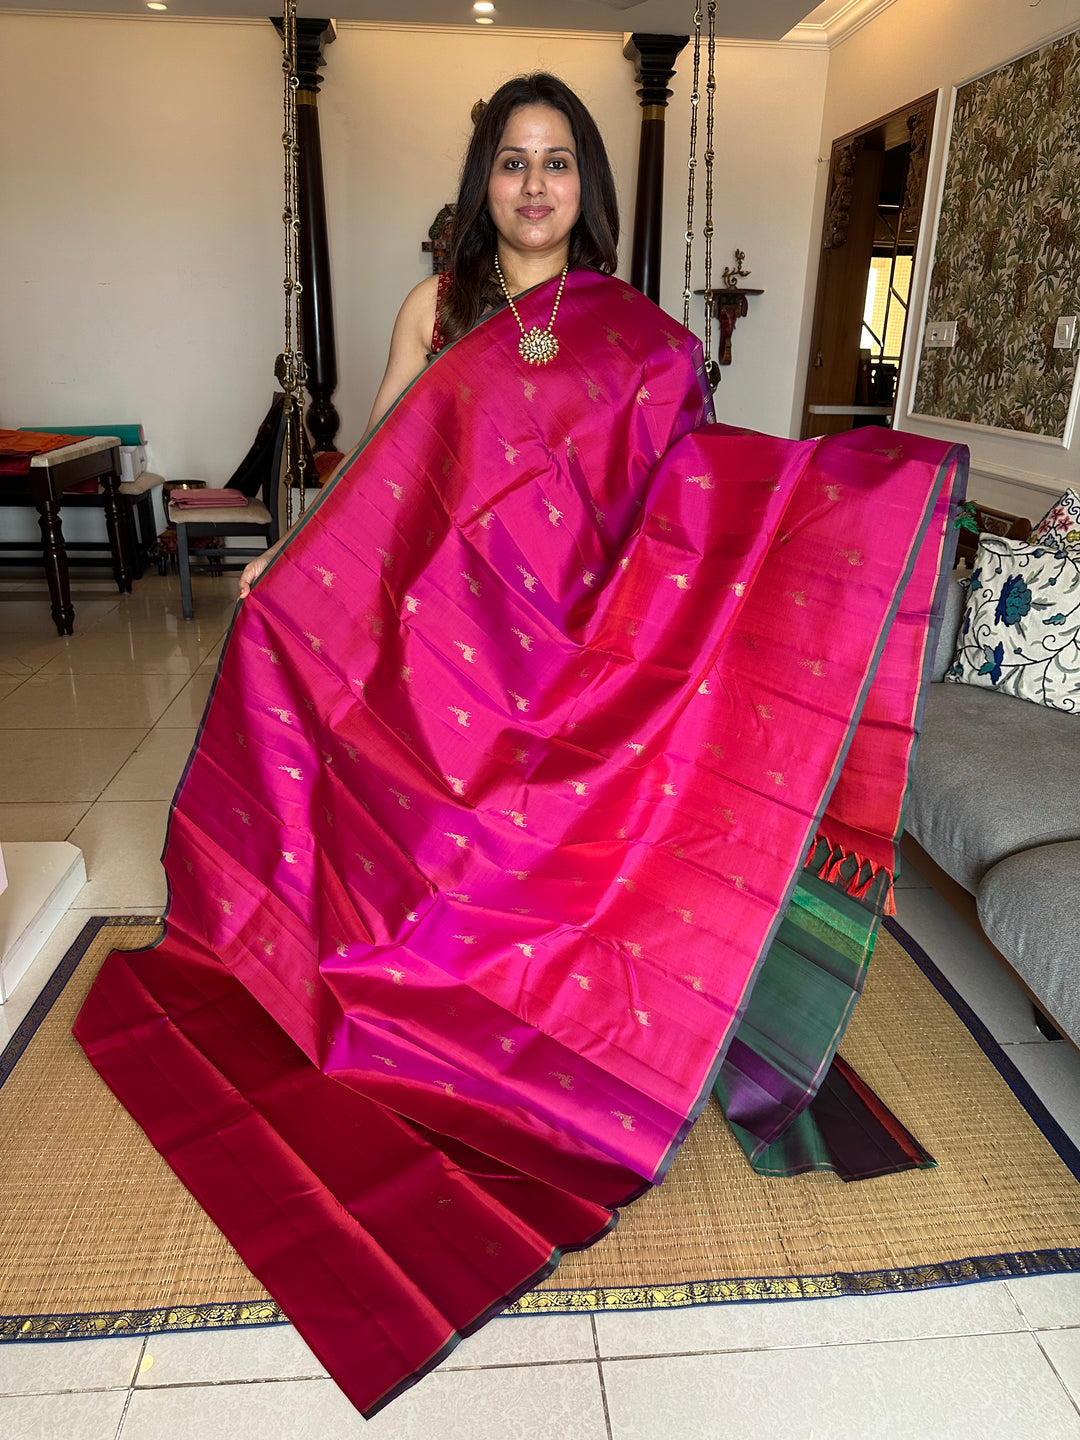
1021, 628
1061, 523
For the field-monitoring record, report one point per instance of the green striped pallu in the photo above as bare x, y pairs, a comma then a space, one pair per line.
800, 1005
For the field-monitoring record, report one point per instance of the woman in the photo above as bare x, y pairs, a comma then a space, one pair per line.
504, 789
536, 197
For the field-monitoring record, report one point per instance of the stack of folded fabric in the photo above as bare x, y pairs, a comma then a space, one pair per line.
18, 448
207, 499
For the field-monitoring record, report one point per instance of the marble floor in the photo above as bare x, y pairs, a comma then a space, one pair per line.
94, 730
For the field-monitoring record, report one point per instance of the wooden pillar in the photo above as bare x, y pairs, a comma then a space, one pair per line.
654, 57
316, 298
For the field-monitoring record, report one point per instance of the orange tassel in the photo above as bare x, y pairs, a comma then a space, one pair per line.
861, 891
890, 898
835, 865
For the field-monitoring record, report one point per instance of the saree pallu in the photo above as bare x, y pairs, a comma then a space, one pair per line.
513, 761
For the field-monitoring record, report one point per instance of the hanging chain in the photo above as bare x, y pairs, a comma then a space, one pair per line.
711, 367
691, 166
291, 369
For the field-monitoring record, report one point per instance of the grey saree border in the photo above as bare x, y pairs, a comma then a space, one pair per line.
245, 1314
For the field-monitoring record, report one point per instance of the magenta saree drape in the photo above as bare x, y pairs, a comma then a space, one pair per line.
513, 758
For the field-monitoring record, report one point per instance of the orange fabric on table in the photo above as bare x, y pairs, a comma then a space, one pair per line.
18, 448
34, 442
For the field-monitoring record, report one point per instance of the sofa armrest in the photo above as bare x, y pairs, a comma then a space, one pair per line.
955, 601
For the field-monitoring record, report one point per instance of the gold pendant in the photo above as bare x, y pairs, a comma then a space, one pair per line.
538, 347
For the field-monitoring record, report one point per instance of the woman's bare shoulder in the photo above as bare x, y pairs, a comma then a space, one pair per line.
417, 313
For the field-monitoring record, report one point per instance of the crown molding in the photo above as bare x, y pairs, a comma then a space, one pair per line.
162, 18
158, 18
850, 18
844, 23
805, 37
415, 27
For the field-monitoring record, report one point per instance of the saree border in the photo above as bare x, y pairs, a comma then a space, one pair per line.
245, 1314
953, 463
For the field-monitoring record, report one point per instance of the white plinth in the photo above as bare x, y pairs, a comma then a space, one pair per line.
44, 877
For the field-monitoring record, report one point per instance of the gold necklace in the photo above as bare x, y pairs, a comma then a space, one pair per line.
536, 346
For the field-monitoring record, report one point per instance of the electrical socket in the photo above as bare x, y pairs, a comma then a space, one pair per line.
1065, 333
940, 334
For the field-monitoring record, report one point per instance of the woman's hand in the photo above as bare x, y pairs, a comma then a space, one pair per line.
251, 573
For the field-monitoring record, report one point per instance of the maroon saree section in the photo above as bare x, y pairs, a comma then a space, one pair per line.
336, 1203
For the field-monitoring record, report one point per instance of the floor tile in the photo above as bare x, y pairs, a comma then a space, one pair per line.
542, 1402
910, 878
210, 664
8, 683
154, 770
548, 1402
88, 1416
1047, 1301
62, 765
994, 1387
1053, 1071
44, 1367
23, 654
31, 613
187, 709
89, 702
524, 1340
121, 843
161, 609
40, 820
112, 650
952, 1310
201, 1357
968, 965
1062, 1349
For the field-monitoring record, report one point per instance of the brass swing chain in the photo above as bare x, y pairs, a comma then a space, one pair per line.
711, 368
691, 166
291, 369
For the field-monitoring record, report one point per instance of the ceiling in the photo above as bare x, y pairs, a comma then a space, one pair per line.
736, 19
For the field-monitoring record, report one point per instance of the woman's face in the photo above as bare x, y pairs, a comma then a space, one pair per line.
534, 193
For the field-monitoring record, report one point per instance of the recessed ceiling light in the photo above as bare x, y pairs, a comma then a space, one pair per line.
155, 5
484, 7
484, 20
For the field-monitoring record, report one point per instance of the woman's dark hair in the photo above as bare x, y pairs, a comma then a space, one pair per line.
594, 239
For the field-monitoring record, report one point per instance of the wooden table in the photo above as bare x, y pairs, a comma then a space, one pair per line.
50, 474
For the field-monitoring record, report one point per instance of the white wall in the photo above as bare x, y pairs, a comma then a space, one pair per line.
141, 260
768, 120
911, 48
394, 116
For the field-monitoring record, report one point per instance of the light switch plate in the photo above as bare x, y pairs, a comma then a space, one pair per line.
940, 333
1065, 333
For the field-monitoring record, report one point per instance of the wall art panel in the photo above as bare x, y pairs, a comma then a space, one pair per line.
1007, 257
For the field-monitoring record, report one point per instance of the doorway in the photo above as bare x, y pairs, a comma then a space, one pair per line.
877, 181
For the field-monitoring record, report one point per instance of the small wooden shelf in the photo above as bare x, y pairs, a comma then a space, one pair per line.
729, 305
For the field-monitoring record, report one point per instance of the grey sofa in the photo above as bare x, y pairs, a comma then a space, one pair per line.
994, 814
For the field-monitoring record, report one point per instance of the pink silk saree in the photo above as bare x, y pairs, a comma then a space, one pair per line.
513, 760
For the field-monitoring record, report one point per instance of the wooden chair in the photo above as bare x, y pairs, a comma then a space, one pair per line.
259, 517
990, 522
